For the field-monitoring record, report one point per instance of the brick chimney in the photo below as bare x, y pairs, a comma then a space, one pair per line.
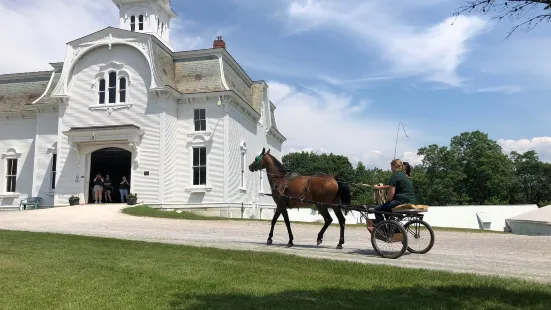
219, 43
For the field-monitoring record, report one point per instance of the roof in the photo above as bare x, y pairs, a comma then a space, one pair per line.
188, 72
20, 89
540, 215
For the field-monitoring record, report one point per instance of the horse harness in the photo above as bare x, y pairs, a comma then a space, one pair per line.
289, 177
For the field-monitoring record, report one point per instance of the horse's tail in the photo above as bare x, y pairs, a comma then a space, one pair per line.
344, 190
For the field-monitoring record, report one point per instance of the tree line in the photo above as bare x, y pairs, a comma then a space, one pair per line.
472, 170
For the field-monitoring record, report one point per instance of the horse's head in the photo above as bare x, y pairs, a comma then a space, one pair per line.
259, 162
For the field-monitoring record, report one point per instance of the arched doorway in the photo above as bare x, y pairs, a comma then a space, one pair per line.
112, 161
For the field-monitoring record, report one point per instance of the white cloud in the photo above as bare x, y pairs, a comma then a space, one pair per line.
35, 32
320, 120
542, 146
434, 52
506, 89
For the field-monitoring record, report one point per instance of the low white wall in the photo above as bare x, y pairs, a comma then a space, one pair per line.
473, 217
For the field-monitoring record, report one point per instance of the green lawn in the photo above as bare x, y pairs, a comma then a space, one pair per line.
51, 271
147, 211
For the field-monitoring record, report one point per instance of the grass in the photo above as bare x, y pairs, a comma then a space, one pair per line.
147, 211
53, 271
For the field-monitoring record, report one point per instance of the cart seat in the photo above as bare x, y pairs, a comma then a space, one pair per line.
409, 207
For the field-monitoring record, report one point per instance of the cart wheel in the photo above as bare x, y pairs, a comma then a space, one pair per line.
390, 234
415, 233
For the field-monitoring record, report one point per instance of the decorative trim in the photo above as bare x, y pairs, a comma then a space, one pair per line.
47, 88
200, 138
53, 149
243, 147
109, 107
10, 195
107, 37
198, 188
221, 63
111, 65
11, 153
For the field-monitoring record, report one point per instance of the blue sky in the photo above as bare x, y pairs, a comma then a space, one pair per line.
356, 67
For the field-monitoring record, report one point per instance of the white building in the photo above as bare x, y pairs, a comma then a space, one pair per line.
181, 126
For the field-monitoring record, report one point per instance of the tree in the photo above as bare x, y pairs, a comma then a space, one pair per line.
512, 9
442, 175
488, 171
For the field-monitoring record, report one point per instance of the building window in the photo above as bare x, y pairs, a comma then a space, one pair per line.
122, 89
132, 23
54, 168
199, 166
101, 91
140, 22
243, 164
112, 89
158, 25
200, 120
11, 175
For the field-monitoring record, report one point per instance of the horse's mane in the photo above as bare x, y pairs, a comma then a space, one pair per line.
278, 163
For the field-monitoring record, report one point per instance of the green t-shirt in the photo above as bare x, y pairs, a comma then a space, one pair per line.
404, 188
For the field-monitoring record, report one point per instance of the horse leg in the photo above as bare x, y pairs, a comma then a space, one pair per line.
328, 220
274, 221
342, 221
288, 224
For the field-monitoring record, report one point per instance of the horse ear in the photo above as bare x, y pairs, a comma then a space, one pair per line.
263, 150
268, 151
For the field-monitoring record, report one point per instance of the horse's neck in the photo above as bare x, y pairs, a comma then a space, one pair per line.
274, 170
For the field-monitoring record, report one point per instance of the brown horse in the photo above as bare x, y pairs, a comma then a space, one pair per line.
321, 188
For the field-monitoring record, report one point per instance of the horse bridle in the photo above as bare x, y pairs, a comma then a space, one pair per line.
258, 165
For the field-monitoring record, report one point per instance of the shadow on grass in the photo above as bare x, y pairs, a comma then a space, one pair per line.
445, 297
367, 252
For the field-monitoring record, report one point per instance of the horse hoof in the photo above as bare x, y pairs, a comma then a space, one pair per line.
319, 241
339, 247
269, 241
290, 244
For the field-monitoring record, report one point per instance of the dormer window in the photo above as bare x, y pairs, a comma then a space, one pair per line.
140, 22
116, 83
132, 23
101, 91
122, 89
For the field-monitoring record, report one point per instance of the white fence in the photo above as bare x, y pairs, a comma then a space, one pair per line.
491, 217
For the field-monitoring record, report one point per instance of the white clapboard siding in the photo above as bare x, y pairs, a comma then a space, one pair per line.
46, 144
215, 153
143, 113
18, 135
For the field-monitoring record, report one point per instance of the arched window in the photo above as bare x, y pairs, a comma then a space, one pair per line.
101, 91
122, 89
112, 87
132, 23
140, 22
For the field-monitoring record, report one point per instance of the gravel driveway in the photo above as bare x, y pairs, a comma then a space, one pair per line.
525, 257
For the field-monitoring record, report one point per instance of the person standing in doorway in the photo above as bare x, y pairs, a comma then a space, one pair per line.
98, 188
123, 188
108, 188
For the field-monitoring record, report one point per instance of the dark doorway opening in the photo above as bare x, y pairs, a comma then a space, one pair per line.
112, 161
